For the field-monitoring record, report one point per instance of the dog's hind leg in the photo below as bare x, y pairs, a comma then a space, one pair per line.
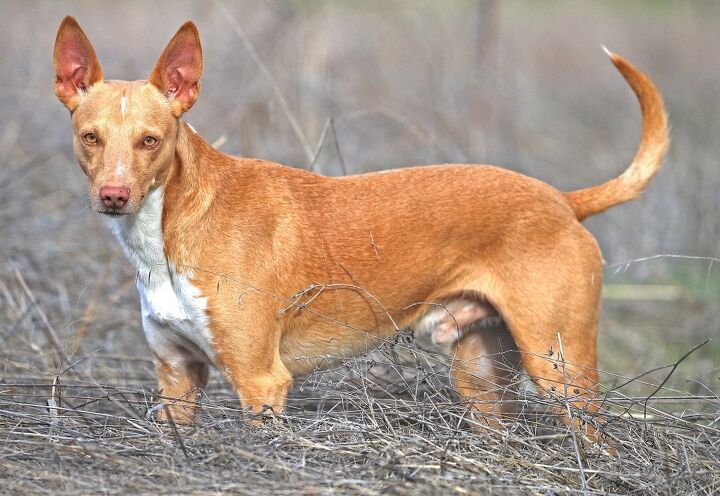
555, 300
484, 369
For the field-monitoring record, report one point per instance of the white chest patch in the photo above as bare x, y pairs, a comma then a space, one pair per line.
174, 316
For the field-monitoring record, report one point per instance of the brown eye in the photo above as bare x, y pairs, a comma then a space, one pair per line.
90, 138
150, 141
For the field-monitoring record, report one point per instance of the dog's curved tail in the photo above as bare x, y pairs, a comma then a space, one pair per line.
648, 159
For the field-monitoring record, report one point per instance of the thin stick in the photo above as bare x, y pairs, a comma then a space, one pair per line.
337, 150
319, 146
570, 417
670, 374
171, 421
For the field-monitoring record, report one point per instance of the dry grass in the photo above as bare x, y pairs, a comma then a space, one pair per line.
373, 426
346, 88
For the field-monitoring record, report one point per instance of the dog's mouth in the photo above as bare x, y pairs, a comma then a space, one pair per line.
113, 212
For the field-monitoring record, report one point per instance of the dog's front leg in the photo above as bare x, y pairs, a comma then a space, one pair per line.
248, 353
180, 375
179, 387
263, 390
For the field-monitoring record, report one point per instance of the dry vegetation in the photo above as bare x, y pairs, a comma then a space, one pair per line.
350, 87
370, 427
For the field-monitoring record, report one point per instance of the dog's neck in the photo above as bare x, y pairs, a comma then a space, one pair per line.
143, 234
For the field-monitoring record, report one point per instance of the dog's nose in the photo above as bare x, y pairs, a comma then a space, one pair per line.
114, 196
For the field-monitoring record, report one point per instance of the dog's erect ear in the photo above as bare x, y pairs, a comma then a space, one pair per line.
177, 71
76, 66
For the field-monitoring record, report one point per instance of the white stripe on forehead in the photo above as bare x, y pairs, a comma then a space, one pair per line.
123, 102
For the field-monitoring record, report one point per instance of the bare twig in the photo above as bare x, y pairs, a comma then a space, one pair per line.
571, 420
667, 377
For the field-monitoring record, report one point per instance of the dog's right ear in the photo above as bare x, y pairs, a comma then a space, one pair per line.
76, 65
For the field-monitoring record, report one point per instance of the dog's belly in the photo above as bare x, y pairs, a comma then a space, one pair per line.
175, 319
323, 347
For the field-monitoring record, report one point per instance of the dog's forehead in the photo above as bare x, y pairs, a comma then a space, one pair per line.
118, 101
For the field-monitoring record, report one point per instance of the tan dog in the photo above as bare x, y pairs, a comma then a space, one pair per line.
266, 271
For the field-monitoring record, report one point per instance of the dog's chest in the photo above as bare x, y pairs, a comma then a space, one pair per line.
174, 314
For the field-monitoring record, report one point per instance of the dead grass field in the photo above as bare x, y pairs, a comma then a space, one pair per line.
347, 87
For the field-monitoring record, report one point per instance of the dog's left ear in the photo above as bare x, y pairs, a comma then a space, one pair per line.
177, 71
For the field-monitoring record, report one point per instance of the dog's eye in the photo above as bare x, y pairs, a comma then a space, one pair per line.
150, 141
90, 138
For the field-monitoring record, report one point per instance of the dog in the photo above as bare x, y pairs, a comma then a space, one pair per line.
267, 272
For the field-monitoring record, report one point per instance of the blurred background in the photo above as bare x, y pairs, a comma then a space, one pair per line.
349, 87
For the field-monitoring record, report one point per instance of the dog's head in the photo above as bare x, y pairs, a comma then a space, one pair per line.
125, 133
